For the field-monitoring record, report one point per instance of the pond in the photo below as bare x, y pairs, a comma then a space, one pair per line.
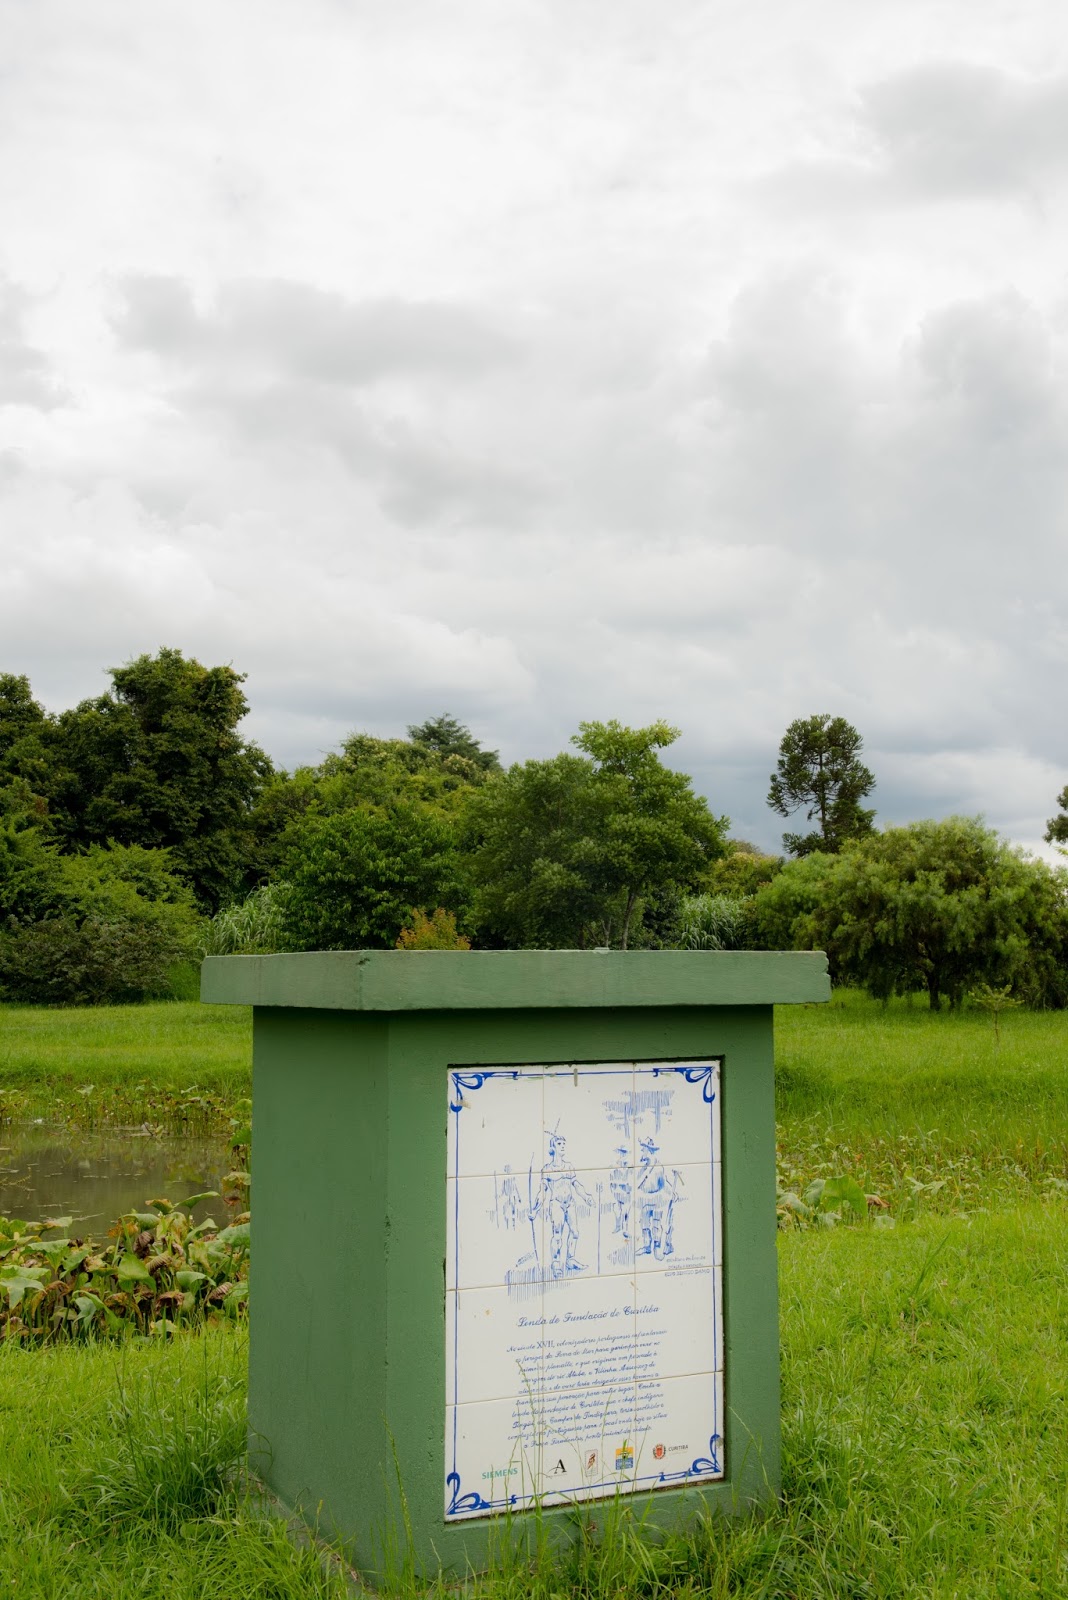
95, 1177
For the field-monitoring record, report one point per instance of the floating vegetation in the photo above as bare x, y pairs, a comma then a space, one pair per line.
157, 1271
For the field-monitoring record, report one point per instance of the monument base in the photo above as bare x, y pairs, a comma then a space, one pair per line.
514, 1261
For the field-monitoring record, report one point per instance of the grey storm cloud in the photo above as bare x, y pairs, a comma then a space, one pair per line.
309, 333
27, 377
936, 132
955, 127
287, 363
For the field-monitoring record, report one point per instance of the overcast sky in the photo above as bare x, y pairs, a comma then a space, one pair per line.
551, 361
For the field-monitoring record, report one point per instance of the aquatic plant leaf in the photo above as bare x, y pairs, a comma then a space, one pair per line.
89, 1306
20, 1281
132, 1270
238, 1233
845, 1191
53, 1248
235, 1299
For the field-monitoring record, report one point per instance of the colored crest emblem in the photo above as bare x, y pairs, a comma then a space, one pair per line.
659, 1451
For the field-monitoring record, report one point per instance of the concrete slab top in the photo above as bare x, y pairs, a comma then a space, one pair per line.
477, 980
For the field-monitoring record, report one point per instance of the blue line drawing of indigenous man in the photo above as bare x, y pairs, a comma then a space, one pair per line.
657, 1194
558, 1200
620, 1184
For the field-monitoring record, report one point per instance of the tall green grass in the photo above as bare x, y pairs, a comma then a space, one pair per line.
925, 1421
124, 1064
925, 1433
929, 1111
122, 1477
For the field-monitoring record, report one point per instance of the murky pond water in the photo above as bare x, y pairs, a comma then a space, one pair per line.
94, 1177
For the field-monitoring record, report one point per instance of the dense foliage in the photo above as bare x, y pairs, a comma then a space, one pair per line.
156, 761
140, 830
938, 906
573, 852
355, 875
112, 923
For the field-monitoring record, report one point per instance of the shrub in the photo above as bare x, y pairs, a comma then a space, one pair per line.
943, 906
59, 961
354, 876
742, 873
111, 925
256, 926
713, 922
437, 932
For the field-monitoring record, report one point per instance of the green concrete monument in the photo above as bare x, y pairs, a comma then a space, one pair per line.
514, 1237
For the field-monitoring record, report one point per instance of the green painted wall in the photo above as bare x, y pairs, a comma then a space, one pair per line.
348, 1344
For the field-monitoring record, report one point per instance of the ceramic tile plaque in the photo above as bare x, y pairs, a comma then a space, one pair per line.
584, 1334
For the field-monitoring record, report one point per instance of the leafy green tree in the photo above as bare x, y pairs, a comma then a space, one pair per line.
569, 851
537, 837
1057, 831
354, 876
942, 906
819, 770
26, 756
742, 871
158, 761
436, 771
29, 869
124, 880
450, 740
657, 831
21, 717
783, 911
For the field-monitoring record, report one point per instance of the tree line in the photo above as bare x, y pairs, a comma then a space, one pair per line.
139, 830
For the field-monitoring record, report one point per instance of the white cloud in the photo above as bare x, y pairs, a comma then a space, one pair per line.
419, 358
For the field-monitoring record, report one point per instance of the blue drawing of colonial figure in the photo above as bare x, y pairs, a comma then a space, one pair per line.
656, 1195
511, 1201
558, 1200
621, 1188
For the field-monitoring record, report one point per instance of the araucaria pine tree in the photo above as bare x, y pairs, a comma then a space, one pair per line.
820, 770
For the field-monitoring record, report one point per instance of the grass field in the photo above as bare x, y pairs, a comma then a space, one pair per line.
925, 1430
925, 1367
124, 1064
928, 1111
